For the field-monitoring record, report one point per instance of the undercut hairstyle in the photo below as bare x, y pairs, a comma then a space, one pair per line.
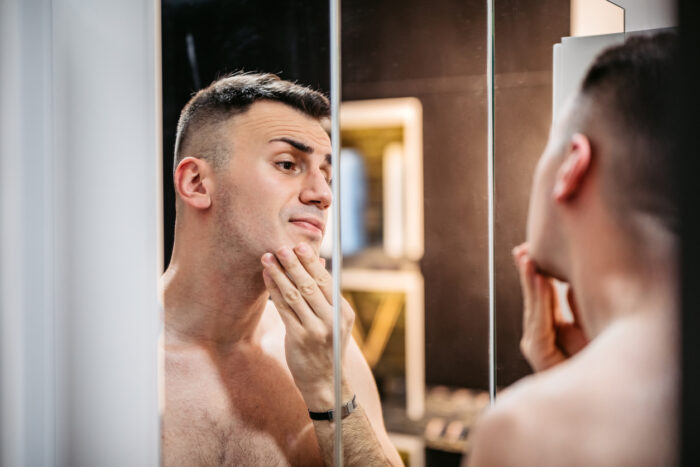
629, 89
233, 95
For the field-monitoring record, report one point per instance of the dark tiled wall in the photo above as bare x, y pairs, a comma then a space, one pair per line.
526, 30
436, 51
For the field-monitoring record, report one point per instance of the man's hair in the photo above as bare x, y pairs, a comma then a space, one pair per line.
233, 95
630, 90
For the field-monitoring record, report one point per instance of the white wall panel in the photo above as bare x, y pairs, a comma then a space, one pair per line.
78, 233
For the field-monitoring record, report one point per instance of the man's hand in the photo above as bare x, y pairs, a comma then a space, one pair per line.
547, 338
301, 289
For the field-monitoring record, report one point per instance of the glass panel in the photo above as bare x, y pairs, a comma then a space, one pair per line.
599, 153
205, 39
525, 35
258, 181
538, 64
414, 215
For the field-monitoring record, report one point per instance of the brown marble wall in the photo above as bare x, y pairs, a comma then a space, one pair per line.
525, 31
436, 51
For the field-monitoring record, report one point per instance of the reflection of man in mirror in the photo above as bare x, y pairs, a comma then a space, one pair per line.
244, 376
603, 219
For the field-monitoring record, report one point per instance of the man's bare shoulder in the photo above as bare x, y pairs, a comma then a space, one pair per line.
593, 409
530, 409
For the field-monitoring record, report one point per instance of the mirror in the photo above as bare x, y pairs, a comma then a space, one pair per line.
542, 52
229, 395
414, 185
525, 33
414, 203
205, 39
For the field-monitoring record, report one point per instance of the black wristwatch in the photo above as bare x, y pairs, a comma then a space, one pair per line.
346, 410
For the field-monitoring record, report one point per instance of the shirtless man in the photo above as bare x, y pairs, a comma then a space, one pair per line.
252, 174
602, 218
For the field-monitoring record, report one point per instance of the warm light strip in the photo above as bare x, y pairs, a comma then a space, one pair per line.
406, 113
589, 18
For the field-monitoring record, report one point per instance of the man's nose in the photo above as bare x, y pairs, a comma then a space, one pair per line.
316, 190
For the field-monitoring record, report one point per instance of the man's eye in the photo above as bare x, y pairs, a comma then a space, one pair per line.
286, 165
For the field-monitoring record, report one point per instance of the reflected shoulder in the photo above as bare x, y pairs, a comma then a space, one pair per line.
530, 420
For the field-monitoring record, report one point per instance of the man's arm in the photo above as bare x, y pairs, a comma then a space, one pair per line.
301, 290
362, 381
361, 445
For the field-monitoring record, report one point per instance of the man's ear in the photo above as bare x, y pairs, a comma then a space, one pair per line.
192, 182
573, 171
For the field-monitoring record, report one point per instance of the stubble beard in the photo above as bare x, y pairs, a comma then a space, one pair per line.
233, 250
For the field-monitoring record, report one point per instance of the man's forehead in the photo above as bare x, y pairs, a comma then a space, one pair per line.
270, 121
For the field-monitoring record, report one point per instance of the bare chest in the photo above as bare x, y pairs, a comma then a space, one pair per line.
242, 411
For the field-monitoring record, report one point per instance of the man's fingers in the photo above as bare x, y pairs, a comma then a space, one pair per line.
538, 343
525, 266
520, 250
526, 272
305, 283
538, 293
288, 315
548, 302
290, 296
316, 269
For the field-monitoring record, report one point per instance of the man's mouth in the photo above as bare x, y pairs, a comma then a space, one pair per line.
309, 223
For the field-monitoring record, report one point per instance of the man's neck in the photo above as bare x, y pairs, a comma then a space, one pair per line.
211, 305
616, 276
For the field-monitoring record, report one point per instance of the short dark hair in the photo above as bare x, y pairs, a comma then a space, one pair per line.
234, 94
631, 88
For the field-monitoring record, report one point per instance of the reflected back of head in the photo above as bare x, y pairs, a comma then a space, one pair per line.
627, 112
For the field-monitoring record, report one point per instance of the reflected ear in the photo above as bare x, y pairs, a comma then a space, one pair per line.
573, 171
192, 181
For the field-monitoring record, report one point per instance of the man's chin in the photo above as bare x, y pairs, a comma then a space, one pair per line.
544, 264
312, 240
315, 245
548, 269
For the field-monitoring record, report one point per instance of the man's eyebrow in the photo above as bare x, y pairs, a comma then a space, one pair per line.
296, 144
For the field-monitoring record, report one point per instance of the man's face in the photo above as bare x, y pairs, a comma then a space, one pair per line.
544, 233
275, 190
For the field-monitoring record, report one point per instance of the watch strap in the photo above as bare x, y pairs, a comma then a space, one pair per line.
346, 409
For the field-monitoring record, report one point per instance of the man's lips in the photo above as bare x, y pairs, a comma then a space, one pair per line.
309, 223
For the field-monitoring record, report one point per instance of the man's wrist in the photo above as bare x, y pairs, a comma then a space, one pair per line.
330, 415
321, 398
